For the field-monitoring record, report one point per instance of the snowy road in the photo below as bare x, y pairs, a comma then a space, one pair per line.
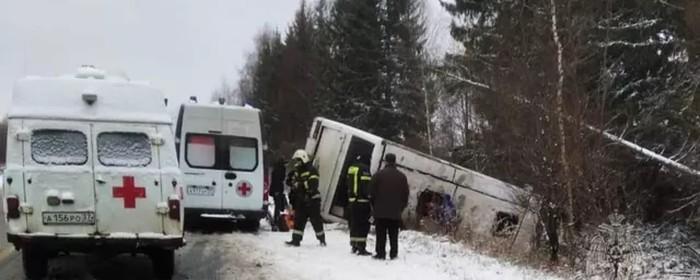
240, 255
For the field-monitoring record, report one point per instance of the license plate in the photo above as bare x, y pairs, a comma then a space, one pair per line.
68, 218
200, 190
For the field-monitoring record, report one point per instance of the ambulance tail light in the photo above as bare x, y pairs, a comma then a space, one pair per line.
174, 209
12, 207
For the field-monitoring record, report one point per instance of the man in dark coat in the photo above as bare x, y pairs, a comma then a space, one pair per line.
388, 197
277, 189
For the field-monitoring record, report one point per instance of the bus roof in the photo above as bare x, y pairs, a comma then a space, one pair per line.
374, 138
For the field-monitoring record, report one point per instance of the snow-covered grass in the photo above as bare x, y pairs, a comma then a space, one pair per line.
665, 251
421, 256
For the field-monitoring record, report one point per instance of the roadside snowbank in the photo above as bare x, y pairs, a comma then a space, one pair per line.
420, 257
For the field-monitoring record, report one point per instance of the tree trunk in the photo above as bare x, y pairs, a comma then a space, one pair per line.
566, 179
427, 114
692, 22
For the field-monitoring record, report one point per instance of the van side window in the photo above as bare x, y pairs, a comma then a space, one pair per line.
243, 153
201, 151
59, 147
126, 149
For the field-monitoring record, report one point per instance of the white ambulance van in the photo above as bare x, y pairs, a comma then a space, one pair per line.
221, 156
91, 168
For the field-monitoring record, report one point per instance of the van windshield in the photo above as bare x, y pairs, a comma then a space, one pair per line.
126, 149
59, 147
221, 152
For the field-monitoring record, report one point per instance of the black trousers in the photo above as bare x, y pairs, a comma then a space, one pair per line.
384, 227
303, 212
280, 204
359, 224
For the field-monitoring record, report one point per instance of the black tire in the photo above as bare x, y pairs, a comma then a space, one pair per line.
191, 221
35, 263
250, 225
163, 263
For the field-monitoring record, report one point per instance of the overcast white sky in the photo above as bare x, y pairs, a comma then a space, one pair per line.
182, 47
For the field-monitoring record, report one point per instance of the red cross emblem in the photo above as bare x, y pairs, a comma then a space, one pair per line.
129, 191
244, 189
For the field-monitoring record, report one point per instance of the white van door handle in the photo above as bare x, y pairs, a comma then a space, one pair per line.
100, 180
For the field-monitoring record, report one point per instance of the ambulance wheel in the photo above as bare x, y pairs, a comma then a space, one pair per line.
250, 225
193, 222
163, 263
35, 263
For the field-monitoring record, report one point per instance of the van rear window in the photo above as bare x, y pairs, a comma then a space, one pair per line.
221, 152
201, 151
59, 147
128, 149
243, 153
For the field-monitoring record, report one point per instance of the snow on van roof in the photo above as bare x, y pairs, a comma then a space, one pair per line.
217, 105
116, 99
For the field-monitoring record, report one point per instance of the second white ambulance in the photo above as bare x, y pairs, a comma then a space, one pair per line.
221, 156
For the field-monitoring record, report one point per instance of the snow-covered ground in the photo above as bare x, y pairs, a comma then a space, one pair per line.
420, 257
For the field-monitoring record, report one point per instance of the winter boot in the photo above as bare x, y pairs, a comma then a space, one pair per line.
294, 243
322, 240
363, 252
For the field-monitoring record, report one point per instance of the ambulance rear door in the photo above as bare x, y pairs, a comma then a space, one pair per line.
200, 127
58, 179
243, 160
127, 178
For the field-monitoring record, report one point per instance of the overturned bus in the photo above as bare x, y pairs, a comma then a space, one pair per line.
467, 202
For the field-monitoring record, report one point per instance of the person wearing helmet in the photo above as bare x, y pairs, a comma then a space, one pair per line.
307, 199
357, 180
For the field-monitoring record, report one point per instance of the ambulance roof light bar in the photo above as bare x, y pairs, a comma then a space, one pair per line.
90, 71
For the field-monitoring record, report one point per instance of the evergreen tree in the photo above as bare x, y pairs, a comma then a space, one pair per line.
357, 52
405, 67
297, 101
260, 84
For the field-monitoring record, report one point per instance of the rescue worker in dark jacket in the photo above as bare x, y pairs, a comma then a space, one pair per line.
307, 199
388, 197
358, 178
277, 189
289, 181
